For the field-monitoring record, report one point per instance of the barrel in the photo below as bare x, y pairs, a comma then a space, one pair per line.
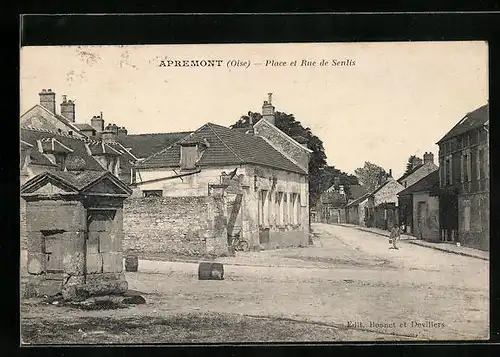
131, 263
210, 271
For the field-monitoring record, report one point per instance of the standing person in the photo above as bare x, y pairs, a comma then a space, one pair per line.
395, 236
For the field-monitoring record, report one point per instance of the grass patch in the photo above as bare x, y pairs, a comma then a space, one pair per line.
179, 328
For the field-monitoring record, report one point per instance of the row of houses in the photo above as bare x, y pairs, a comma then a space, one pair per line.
448, 202
262, 172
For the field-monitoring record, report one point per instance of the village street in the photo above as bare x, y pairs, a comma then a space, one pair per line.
349, 286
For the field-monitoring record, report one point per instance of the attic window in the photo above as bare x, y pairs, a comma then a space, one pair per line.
152, 193
70, 132
61, 161
189, 155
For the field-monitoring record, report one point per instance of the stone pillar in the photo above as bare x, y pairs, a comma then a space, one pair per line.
216, 234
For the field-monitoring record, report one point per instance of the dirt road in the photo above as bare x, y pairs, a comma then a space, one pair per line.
349, 286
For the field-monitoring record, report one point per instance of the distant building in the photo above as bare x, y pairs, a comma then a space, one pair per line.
333, 201
424, 208
381, 207
465, 182
355, 210
419, 170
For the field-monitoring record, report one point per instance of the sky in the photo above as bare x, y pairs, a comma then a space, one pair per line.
394, 100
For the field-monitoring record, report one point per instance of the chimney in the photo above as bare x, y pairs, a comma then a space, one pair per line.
68, 109
428, 158
390, 172
268, 110
110, 133
97, 123
48, 100
122, 132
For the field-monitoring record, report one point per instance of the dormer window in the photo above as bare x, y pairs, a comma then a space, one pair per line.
61, 161
189, 156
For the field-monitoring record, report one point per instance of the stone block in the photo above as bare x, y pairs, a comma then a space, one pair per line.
112, 262
131, 263
74, 263
34, 242
94, 263
36, 263
93, 242
73, 241
66, 217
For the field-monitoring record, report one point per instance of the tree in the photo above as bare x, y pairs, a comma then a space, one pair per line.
370, 175
412, 162
293, 128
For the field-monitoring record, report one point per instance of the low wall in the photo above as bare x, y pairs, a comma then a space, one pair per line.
165, 224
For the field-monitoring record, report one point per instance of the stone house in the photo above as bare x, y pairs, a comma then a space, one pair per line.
381, 207
419, 170
464, 181
355, 210
423, 195
55, 137
268, 208
333, 201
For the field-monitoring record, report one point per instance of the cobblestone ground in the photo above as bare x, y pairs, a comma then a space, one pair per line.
349, 286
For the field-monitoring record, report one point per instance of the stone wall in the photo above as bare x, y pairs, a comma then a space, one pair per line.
388, 193
166, 224
474, 233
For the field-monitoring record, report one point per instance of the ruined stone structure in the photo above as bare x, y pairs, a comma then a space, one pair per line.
74, 223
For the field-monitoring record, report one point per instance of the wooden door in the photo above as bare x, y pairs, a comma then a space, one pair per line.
54, 251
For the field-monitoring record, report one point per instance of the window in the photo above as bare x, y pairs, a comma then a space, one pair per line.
465, 167
467, 215
263, 207
152, 193
448, 170
481, 170
189, 155
286, 209
281, 214
61, 161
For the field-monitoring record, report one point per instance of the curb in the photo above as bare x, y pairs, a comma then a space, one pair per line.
426, 246
450, 251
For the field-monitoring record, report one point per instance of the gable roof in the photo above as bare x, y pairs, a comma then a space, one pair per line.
54, 115
287, 137
359, 200
226, 147
85, 126
32, 135
410, 172
427, 183
357, 191
472, 120
77, 181
145, 145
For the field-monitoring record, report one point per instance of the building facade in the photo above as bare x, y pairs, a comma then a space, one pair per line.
465, 182
271, 207
381, 210
419, 170
424, 199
